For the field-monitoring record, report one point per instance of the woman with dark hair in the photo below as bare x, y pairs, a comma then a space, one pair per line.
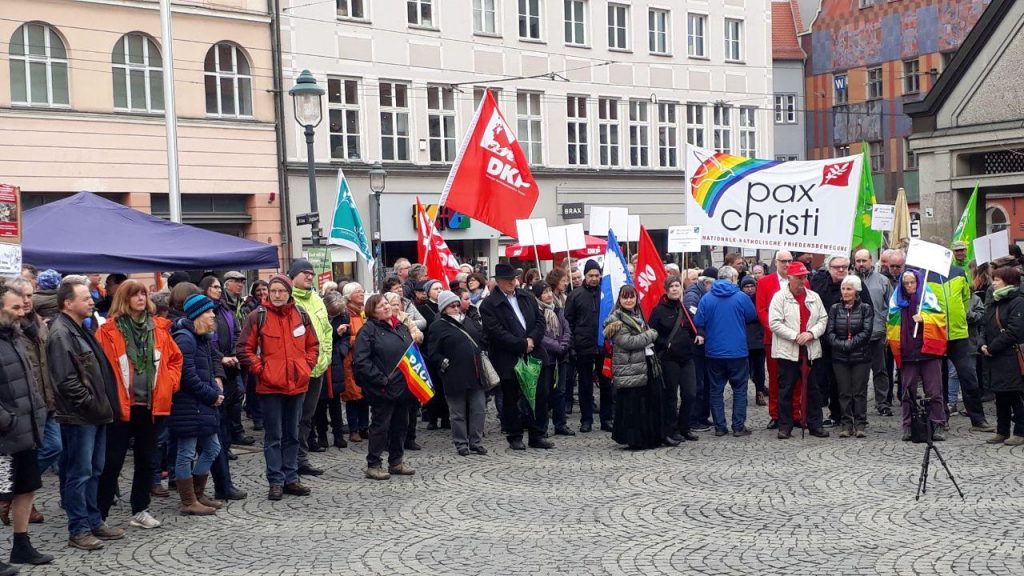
677, 338
636, 375
557, 338
257, 292
477, 285
1001, 338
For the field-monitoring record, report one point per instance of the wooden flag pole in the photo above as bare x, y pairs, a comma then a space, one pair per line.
920, 304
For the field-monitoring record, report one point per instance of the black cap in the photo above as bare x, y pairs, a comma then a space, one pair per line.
177, 278
299, 266
538, 288
710, 273
591, 265
504, 271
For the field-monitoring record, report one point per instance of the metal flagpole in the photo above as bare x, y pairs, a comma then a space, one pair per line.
170, 115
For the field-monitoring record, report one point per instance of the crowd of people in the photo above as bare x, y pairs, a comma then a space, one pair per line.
94, 370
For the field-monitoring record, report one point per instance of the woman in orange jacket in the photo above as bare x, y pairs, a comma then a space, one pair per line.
356, 407
147, 369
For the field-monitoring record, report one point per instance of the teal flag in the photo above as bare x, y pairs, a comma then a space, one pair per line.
347, 225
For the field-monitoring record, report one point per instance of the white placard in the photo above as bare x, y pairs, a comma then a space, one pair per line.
684, 238
10, 260
928, 256
632, 228
990, 247
532, 232
882, 217
748, 252
567, 238
603, 218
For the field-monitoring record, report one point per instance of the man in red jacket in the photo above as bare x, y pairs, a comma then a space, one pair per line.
278, 345
767, 286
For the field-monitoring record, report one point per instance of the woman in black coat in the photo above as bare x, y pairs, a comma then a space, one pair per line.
379, 347
677, 336
1002, 334
329, 404
454, 357
848, 333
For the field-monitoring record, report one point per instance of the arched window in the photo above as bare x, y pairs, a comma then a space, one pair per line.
138, 74
39, 66
996, 219
228, 81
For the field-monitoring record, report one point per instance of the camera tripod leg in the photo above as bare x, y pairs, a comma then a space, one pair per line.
948, 471
922, 481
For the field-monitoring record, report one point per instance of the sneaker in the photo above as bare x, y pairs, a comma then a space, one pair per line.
983, 426
463, 451
85, 541
741, 432
144, 520
295, 489
478, 450
701, 428
1015, 441
377, 474
276, 492
828, 423
402, 469
104, 532
997, 439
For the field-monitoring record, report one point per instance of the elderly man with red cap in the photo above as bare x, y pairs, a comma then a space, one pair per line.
798, 320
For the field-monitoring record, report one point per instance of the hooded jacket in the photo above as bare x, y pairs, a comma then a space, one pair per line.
630, 336
281, 353
314, 306
723, 313
193, 414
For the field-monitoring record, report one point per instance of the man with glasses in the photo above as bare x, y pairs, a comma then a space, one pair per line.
879, 289
766, 289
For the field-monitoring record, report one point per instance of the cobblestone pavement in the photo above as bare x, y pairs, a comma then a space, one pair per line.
752, 505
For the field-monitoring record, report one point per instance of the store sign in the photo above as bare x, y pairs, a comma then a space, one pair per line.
573, 211
444, 218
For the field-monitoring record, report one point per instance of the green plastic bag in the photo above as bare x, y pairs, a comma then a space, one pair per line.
527, 373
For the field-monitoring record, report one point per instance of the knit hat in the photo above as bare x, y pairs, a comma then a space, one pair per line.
48, 279
748, 281
711, 272
196, 305
281, 279
177, 278
428, 284
591, 265
538, 288
299, 266
446, 299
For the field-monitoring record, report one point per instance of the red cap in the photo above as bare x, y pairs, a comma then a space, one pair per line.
797, 269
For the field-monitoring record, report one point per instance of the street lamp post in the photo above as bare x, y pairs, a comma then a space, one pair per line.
378, 181
306, 98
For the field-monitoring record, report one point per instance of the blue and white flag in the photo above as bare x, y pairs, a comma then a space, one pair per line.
347, 225
615, 275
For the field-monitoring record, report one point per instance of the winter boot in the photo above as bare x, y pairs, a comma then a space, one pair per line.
199, 483
189, 505
22, 552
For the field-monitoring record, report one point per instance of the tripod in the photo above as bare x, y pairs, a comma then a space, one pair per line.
921, 410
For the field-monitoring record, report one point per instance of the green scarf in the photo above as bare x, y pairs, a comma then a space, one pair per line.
1000, 293
138, 338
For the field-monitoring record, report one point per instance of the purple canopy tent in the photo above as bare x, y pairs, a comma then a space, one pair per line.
89, 233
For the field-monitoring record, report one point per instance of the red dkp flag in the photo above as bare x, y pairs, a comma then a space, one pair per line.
491, 179
432, 250
650, 275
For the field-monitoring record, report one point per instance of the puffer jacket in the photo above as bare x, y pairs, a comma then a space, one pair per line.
378, 349
35, 334
193, 414
630, 336
1001, 367
22, 410
784, 322
849, 332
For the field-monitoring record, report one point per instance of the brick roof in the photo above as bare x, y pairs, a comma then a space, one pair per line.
786, 24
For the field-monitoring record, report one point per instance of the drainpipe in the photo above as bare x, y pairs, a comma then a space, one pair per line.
282, 151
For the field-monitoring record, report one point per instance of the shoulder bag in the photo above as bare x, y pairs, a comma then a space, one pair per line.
1016, 347
488, 375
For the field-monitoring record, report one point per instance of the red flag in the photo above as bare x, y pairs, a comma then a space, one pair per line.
650, 274
491, 179
432, 250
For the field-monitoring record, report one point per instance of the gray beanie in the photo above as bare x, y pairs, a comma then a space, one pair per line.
446, 299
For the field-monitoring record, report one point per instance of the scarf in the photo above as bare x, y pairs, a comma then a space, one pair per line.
138, 338
1000, 293
554, 326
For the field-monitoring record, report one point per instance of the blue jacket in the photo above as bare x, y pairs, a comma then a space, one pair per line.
723, 313
193, 414
693, 295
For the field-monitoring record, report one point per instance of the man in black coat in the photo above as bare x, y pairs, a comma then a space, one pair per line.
582, 309
514, 327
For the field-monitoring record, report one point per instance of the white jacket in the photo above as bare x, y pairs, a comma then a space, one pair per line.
784, 322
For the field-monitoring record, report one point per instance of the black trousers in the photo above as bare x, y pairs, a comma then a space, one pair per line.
959, 353
388, 421
680, 380
220, 470
514, 405
328, 407
1010, 410
588, 368
789, 378
828, 387
413, 410
756, 362
142, 429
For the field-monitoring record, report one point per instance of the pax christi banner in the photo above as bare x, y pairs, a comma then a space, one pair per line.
650, 274
432, 250
768, 204
491, 180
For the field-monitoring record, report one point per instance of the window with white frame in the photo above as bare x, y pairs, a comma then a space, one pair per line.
529, 19
877, 151
840, 89
722, 134
343, 118
748, 131
138, 74
668, 135
394, 121
657, 31
909, 156
39, 66
441, 123
695, 125
618, 26
785, 108
351, 9
733, 40
485, 17
575, 22
875, 83
579, 144
530, 132
696, 35
420, 12
228, 81
608, 131
478, 95
639, 134
911, 76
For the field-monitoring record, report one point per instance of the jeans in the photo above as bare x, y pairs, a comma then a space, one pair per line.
82, 460
140, 426
387, 432
51, 449
587, 367
793, 389
209, 447
309, 402
952, 383
281, 415
681, 377
1010, 410
735, 372
160, 453
852, 385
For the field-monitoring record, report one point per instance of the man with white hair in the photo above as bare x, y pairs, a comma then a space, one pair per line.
766, 289
671, 269
878, 290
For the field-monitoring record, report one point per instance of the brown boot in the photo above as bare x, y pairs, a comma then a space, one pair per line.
189, 505
35, 517
199, 483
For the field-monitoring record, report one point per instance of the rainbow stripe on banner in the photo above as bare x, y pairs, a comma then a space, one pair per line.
717, 173
417, 378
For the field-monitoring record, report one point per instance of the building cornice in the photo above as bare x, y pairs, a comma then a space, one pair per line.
192, 10
129, 118
299, 168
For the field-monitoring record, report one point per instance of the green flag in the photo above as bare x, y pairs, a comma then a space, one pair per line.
967, 229
863, 235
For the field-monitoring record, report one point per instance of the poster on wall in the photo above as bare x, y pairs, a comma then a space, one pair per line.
807, 206
10, 214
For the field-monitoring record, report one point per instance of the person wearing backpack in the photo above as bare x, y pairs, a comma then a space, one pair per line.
283, 371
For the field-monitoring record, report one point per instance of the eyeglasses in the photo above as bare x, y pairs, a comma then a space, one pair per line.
783, 261
838, 267
307, 272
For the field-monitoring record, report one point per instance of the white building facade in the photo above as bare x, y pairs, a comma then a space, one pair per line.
603, 95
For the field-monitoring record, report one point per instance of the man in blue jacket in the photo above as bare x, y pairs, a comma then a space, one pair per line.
723, 314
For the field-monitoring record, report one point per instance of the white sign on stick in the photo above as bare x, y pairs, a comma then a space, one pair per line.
632, 228
603, 218
567, 238
928, 256
882, 217
988, 248
10, 260
532, 231
684, 238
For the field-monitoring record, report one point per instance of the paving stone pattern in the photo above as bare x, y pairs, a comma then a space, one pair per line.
720, 506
